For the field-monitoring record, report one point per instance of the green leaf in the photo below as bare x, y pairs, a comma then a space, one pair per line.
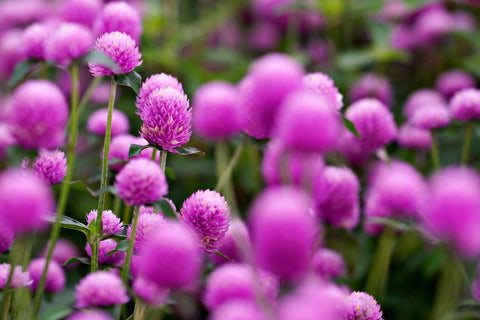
165, 207
379, 32
184, 151
354, 60
82, 260
116, 161
170, 173
70, 223
351, 127
102, 59
94, 193
132, 80
121, 246
57, 313
135, 150
20, 72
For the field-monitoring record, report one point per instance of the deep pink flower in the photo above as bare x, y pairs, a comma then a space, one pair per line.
55, 275
100, 289
371, 85
97, 122
324, 86
363, 307
450, 82
153, 83
119, 16
51, 166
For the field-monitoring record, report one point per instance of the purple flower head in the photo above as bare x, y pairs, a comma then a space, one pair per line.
19, 279
97, 123
238, 310
363, 307
420, 99
263, 36
463, 21
394, 10
19, 13
318, 51
119, 47
111, 224
403, 37
55, 275
231, 246
336, 197
100, 289
63, 251
373, 121
25, 201
207, 214
167, 119
371, 85
431, 117
80, 11
272, 78
34, 38
328, 263
6, 239
171, 258
153, 83
38, 114
119, 16
414, 138
324, 86
307, 122
283, 232
6, 139
12, 51
217, 111
120, 146
101, 94
141, 181
147, 223
51, 166
465, 105
450, 82
89, 315
431, 24
352, 149
107, 246
149, 292
68, 42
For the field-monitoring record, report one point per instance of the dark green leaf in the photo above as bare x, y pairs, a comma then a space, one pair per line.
56, 313
351, 127
118, 237
95, 193
135, 150
218, 253
132, 80
170, 173
354, 60
102, 59
116, 161
72, 224
188, 150
380, 33
165, 207
21, 71
121, 246
82, 260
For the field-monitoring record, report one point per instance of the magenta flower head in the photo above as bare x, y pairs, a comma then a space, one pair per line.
328, 263
272, 78
283, 232
107, 246
89, 315
6, 239
336, 197
63, 251
420, 99
111, 224
238, 310
363, 307
263, 36
373, 121
414, 138
167, 119
147, 223
431, 117
236, 237
68, 42
34, 38
55, 275
451, 211
465, 105
150, 293
38, 114
120, 146
19, 279
12, 51
51, 166
324, 86
100, 289
119, 47
431, 24
97, 122
371, 85
450, 82
307, 122
119, 16
25, 201
153, 83
80, 11
141, 181
217, 111
171, 258
207, 214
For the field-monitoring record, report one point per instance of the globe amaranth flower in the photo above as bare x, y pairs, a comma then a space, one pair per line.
336, 197
147, 223
89, 315
141, 181
107, 246
167, 119
171, 258
465, 105
328, 263
38, 114
153, 83
56, 279
80, 11
371, 85
324, 86
363, 307
25, 201
207, 214
394, 10
100, 289
120, 146
283, 232
217, 111
34, 38
15, 14
420, 99
238, 310
68, 42
51, 166
236, 238
150, 293
431, 24
19, 279
111, 224
263, 36
6, 239
431, 117
121, 49
307, 122
12, 52
97, 122
119, 16
63, 251
450, 82
414, 138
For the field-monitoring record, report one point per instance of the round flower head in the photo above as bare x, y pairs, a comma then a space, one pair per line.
403, 37
394, 10
323, 85
153, 83
328, 263
14, 13
38, 114
51, 166
149, 292
34, 38
238, 310
307, 122
63, 251
107, 246
272, 78
231, 246
414, 138
420, 99
100, 289
101, 94
119, 16
68, 42
336, 197
12, 51
432, 24
351, 148
431, 117
97, 123
147, 223
465, 105
264, 36
371, 85
450, 82
373, 121
19, 279
171, 258
283, 232
207, 214
25, 201
363, 307
463, 21
119, 47
6, 239
6, 139
55, 275
167, 119
89, 315
111, 224
80, 11
217, 112
120, 146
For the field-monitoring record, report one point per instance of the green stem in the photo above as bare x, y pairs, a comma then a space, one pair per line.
139, 311
126, 214
448, 290
65, 189
88, 93
467, 142
224, 171
7, 294
116, 205
154, 154
434, 152
163, 159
